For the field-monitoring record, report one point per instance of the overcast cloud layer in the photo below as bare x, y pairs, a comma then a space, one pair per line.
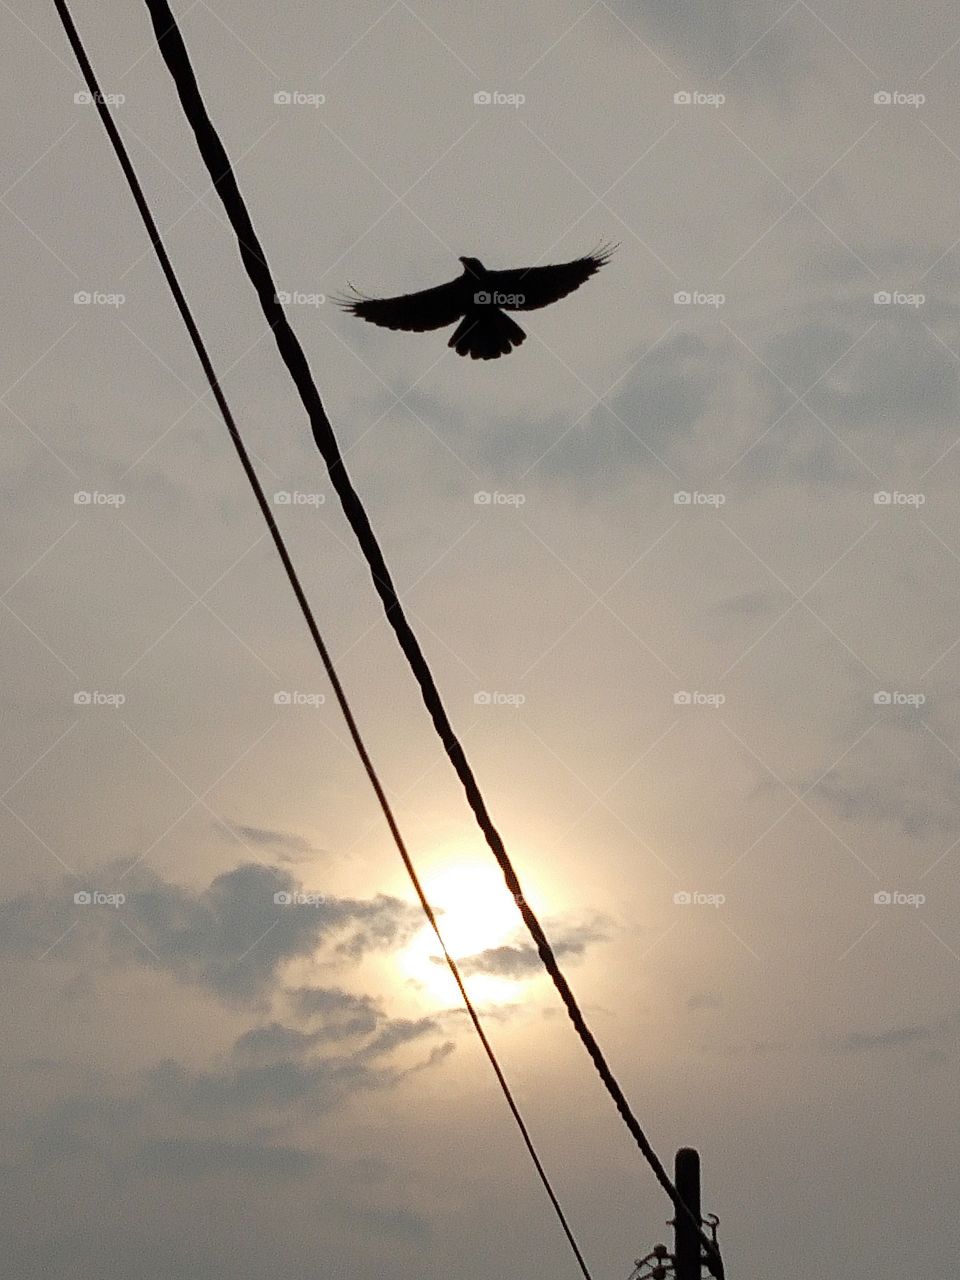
687, 569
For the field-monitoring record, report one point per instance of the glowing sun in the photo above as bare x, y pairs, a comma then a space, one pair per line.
476, 913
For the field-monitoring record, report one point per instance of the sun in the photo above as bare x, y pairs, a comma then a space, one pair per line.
476, 913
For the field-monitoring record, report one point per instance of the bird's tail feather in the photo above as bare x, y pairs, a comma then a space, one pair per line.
486, 336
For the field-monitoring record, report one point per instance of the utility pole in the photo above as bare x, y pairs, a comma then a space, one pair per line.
692, 1250
686, 1230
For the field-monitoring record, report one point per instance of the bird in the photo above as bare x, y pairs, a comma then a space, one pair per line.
480, 299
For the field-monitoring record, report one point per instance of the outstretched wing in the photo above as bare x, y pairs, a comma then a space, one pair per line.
430, 309
531, 287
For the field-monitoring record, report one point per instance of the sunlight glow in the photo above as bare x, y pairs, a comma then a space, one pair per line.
476, 913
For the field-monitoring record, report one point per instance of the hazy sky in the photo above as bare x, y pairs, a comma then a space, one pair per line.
711, 731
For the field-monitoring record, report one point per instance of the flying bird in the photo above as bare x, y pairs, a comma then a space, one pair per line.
479, 299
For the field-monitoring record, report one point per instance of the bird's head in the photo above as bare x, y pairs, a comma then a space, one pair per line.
473, 266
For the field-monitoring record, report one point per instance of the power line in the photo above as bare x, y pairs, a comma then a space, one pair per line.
174, 53
214, 155
305, 608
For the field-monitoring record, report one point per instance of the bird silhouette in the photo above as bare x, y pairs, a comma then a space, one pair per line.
479, 299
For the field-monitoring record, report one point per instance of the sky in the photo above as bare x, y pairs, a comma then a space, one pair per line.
685, 566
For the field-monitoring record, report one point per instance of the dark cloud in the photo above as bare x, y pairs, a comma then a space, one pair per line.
279, 1066
710, 35
521, 960
186, 1160
321, 1083
656, 407
232, 937
338, 1008
868, 1041
895, 376
393, 1222
286, 846
899, 796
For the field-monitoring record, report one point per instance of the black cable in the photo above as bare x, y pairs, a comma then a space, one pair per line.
218, 165
305, 608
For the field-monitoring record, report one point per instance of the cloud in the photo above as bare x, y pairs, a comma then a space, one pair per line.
897, 376
186, 1160
901, 797
278, 1066
519, 961
350, 1013
869, 1041
277, 1042
712, 35
287, 847
392, 1222
319, 1083
233, 937
655, 409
